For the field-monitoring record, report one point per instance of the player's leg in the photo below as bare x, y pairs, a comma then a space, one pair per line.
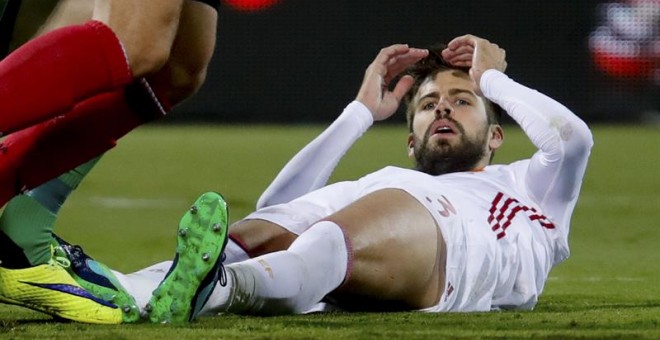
192, 50
61, 144
398, 254
44, 150
183, 75
93, 129
190, 53
285, 282
256, 237
26, 241
385, 248
29, 251
395, 261
146, 28
251, 237
259, 236
277, 283
265, 237
178, 80
190, 66
43, 282
41, 152
48, 75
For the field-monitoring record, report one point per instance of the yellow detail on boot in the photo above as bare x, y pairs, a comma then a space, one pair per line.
50, 289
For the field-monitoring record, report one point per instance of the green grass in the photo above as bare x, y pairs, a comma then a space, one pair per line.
127, 210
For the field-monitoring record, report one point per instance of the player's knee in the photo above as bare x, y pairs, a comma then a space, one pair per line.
185, 81
260, 237
148, 60
147, 30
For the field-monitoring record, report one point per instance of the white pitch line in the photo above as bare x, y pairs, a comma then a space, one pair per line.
136, 203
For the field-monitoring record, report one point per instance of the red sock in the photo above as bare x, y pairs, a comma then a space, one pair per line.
37, 154
49, 75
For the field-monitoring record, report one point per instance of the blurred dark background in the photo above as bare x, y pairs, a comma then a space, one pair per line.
302, 61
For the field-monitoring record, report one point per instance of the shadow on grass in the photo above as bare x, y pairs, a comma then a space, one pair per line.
28, 322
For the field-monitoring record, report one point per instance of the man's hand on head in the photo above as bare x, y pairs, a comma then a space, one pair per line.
387, 65
476, 53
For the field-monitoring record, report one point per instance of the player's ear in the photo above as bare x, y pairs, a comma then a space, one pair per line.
496, 137
411, 145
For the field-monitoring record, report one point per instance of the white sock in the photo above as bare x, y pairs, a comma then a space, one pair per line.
290, 281
234, 253
142, 283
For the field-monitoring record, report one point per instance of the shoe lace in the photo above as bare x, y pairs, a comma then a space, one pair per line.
57, 257
222, 279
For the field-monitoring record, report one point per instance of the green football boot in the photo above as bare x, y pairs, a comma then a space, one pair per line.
197, 266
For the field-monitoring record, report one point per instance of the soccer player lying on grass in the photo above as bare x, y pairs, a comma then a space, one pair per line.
454, 234
67, 97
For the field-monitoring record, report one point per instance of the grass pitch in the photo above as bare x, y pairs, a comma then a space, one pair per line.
127, 210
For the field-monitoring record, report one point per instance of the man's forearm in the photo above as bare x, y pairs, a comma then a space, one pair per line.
311, 167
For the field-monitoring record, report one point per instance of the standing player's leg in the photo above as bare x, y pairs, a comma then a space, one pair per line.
48, 75
384, 249
27, 222
178, 79
46, 150
43, 151
55, 143
191, 53
34, 155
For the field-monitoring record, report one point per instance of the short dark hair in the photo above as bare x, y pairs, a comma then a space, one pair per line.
428, 68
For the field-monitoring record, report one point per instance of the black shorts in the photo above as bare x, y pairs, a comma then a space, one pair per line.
213, 3
8, 13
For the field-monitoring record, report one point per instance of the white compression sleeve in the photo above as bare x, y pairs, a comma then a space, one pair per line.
554, 174
552, 127
311, 167
290, 281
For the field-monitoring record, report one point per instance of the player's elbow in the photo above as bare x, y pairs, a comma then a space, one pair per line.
583, 140
576, 138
